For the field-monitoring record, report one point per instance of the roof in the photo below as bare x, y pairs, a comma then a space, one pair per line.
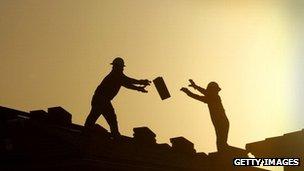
48, 140
287, 145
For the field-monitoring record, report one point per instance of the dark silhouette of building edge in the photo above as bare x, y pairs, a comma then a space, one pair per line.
290, 145
48, 140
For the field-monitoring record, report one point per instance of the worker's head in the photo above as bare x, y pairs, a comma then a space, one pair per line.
118, 64
213, 87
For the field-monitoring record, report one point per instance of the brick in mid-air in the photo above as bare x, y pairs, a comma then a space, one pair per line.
161, 88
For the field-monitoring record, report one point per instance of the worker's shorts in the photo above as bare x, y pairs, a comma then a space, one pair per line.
102, 105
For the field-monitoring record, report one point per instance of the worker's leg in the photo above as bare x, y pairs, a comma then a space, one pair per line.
225, 133
111, 118
97, 104
222, 135
218, 139
93, 116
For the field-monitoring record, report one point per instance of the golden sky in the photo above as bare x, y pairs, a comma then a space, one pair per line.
57, 52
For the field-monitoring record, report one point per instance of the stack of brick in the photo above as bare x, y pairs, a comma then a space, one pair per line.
143, 135
39, 115
58, 115
54, 116
182, 145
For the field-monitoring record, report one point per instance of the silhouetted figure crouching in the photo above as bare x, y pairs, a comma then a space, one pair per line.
107, 90
216, 109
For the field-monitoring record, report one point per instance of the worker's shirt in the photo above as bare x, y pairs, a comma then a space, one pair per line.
111, 84
216, 109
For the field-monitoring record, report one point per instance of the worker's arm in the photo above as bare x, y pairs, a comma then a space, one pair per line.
194, 96
130, 84
127, 80
134, 87
196, 87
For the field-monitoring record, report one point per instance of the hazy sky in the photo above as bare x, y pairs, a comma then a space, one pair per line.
57, 52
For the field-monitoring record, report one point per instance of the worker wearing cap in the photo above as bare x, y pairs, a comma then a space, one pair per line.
216, 109
107, 90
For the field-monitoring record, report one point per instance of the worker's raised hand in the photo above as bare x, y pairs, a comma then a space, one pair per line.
184, 89
145, 82
192, 83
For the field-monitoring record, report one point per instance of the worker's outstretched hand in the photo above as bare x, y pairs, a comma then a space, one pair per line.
142, 89
145, 82
192, 84
184, 89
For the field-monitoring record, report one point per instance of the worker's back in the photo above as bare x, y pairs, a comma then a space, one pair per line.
110, 85
216, 109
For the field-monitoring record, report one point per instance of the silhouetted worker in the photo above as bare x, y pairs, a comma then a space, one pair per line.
216, 109
107, 90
